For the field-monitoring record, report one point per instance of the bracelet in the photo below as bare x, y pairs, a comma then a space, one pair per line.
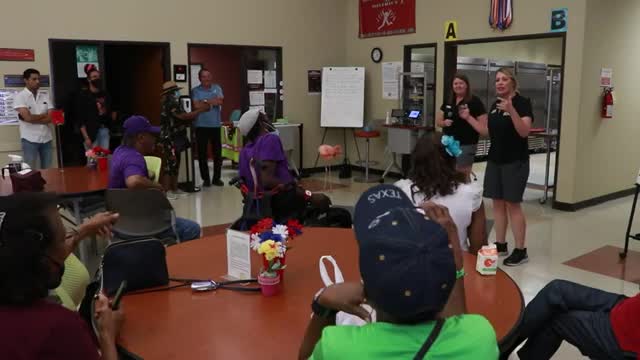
460, 274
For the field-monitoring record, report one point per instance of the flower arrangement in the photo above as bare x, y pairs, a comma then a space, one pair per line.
97, 152
270, 240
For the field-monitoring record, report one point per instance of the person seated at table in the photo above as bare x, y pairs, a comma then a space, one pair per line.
264, 152
434, 177
412, 275
33, 248
600, 324
128, 169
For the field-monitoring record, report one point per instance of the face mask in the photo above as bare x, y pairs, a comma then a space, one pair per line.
97, 83
55, 279
177, 94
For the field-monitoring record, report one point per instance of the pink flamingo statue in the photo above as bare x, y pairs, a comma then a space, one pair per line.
328, 153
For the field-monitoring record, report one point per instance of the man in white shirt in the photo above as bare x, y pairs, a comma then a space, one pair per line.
34, 108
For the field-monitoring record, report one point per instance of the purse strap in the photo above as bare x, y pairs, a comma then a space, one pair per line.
430, 340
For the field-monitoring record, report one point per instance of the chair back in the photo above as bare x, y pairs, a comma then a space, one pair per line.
143, 213
154, 164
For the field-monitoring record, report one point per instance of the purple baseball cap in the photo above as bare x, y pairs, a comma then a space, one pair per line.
405, 261
137, 124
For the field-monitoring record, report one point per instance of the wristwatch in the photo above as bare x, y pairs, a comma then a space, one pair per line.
320, 310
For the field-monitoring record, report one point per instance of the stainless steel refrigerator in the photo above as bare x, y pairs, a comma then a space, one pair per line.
541, 83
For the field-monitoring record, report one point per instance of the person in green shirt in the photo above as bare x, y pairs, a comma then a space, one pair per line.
411, 269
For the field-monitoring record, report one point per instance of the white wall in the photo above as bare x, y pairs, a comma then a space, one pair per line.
309, 31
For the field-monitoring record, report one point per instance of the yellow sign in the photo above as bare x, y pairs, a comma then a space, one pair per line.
450, 30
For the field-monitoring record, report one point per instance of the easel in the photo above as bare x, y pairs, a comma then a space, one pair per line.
344, 137
628, 236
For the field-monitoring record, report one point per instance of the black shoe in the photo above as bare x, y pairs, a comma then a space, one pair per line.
206, 183
517, 257
217, 182
503, 250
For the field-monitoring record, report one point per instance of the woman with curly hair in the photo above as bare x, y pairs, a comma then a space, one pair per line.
434, 177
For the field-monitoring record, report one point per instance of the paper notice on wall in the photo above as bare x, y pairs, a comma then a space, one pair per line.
238, 255
254, 76
85, 55
606, 77
8, 116
270, 79
390, 77
417, 67
256, 98
194, 70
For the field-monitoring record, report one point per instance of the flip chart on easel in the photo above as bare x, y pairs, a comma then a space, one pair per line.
342, 97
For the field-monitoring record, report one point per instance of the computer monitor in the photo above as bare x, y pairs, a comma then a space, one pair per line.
414, 114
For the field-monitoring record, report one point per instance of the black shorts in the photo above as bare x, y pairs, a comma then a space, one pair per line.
506, 181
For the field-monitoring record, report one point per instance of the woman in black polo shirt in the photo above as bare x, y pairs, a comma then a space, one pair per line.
463, 116
507, 171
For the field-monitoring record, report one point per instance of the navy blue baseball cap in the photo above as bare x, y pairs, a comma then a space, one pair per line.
406, 263
137, 124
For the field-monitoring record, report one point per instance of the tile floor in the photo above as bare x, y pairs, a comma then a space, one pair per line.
553, 237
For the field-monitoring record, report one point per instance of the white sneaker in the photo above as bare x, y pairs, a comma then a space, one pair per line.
171, 195
181, 193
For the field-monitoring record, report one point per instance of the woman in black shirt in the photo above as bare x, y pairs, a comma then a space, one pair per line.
464, 117
507, 171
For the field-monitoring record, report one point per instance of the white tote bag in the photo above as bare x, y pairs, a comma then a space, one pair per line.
342, 318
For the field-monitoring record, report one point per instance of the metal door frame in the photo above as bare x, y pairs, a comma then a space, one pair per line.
563, 35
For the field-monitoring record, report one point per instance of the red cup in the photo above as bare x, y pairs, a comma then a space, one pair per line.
57, 117
103, 163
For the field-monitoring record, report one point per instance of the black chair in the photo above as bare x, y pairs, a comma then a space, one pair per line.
143, 214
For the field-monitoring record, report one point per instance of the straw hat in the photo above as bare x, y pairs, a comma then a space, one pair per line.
169, 86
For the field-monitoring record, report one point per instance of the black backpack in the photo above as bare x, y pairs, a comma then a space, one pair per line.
334, 217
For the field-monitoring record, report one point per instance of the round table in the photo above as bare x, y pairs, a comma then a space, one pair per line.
67, 182
225, 324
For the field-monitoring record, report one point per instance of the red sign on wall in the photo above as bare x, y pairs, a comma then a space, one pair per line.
387, 17
17, 55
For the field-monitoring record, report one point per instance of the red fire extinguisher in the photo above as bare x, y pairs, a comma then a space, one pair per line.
607, 104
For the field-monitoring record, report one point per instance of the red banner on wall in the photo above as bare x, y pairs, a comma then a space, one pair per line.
387, 17
17, 55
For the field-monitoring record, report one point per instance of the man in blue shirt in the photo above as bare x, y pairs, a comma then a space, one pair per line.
209, 98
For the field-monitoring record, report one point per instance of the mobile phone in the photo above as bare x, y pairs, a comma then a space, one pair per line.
115, 304
203, 285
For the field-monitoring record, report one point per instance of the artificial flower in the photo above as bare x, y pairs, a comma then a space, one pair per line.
281, 230
255, 242
294, 228
269, 235
261, 226
269, 249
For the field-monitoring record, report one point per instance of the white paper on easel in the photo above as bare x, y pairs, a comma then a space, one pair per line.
238, 255
390, 77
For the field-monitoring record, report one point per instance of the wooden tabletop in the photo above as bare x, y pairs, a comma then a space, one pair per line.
224, 324
69, 181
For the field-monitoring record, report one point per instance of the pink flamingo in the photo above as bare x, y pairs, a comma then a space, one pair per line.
328, 153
